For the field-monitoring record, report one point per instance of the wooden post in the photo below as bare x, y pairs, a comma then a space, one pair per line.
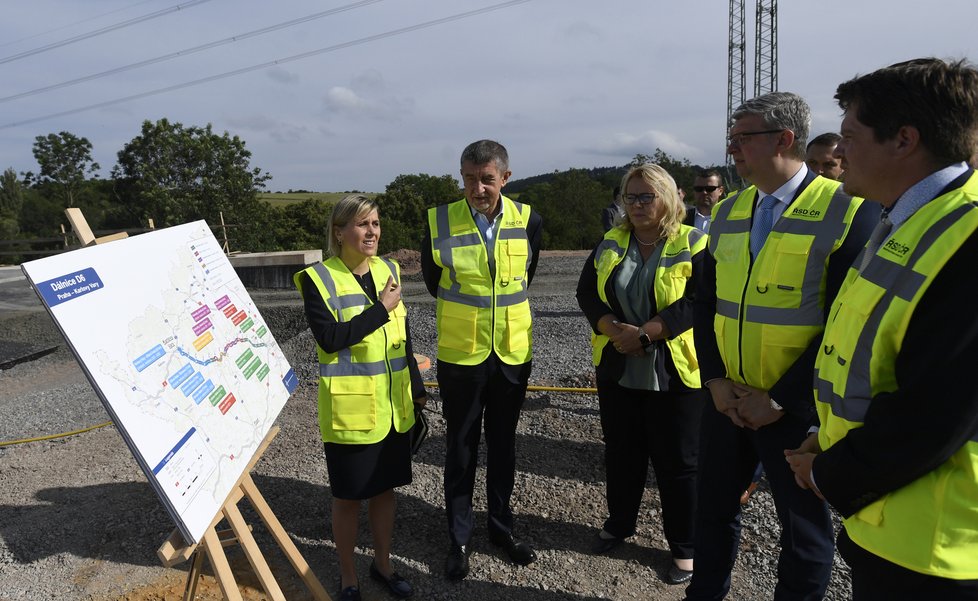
224, 234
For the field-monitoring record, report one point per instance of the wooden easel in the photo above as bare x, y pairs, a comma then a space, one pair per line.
174, 550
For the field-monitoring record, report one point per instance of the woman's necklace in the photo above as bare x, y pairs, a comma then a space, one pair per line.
644, 243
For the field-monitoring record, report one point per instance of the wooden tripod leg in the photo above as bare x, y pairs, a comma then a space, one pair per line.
222, 569
193, 576
282, 538
253, 553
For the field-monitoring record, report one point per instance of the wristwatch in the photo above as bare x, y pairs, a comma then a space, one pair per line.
644, 339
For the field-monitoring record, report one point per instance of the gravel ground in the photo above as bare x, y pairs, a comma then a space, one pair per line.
79, 521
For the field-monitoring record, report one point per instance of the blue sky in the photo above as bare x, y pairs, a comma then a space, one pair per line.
561, 83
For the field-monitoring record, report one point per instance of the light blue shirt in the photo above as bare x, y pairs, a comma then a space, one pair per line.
489, 231
922, 193
785, 193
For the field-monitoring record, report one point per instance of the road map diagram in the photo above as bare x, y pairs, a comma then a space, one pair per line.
182, 360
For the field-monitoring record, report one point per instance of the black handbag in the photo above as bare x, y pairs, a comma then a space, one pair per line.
420, 429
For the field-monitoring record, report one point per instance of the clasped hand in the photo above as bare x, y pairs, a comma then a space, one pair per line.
626, 339
746, 406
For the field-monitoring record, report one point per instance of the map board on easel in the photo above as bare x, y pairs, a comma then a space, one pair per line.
179, 355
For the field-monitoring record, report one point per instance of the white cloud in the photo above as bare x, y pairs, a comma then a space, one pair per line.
628, 145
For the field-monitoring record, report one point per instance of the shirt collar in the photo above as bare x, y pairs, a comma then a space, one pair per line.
787, 190
476, 214
923, 192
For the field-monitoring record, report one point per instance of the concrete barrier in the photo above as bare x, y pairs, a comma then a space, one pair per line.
272, 269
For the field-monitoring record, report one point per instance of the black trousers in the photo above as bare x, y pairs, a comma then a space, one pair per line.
728, 458
491, 393
664, 427
876, 579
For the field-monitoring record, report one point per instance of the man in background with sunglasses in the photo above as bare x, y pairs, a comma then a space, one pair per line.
778, 253
707, 191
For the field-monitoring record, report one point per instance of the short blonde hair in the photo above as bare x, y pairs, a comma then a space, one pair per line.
349, 208
665, 192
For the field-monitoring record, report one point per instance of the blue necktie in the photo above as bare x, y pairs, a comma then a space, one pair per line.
763, 221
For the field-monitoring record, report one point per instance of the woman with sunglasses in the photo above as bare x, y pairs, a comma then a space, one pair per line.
635, 290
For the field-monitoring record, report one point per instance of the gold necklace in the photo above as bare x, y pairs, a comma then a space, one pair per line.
643, 243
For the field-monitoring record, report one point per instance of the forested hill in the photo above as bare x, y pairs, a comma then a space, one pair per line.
610, 176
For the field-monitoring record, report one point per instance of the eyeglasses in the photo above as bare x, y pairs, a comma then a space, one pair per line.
644, 199
739, 138
707, 189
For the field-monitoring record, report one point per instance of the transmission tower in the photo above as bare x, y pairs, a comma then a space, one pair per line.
765, 57
766, 48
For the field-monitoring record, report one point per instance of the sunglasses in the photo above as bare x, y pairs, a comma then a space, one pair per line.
707, 189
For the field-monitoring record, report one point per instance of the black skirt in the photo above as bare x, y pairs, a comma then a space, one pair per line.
362, 471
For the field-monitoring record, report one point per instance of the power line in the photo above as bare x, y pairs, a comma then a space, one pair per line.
189, 51
98, 32
273, 63
39, 34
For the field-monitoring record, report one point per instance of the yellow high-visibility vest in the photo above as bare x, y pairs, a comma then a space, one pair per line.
930, 525
476, 312
672, 274
364, 388
769, 312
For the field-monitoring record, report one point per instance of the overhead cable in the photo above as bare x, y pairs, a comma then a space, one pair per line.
189, 51
98, 32
99, 16
273, 63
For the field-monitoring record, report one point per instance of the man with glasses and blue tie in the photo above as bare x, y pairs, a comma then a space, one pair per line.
778, 253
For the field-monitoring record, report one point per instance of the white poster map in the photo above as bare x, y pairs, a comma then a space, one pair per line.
179, 355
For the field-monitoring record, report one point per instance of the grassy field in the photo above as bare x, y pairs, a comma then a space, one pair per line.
287, 198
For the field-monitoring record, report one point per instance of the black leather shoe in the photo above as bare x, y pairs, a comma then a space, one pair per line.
350, 593
457, 562
602, 545
398, 586
678, 575
519, 553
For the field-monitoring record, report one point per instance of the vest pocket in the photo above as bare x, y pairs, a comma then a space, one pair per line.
518, 323
792, 260
352, 403
456, 327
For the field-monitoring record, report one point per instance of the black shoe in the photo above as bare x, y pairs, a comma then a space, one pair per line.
457, 562
602, 545
519, 553
678, 575
398, 586
350, 593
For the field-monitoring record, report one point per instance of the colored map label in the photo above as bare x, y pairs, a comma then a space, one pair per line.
201, 393
222, 302
178, 378
192, 383
262, 331
246, 324
239, 317
173, 451
203, 341
230, 310
244, 358
149, 357
69, 286
201, 313
226, 403
252, 368
203, 326
263, 372
216, 396
291, 381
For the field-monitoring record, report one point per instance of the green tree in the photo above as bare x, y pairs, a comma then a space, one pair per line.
570, 205
175, 174
64, 159
11, 201
404, 208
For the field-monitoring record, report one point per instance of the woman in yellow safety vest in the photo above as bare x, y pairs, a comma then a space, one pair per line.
369, 383
636, 289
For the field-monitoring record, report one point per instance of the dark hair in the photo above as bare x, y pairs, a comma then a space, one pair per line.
938, 98
616, 193
487, 151
829, 138
708, 173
